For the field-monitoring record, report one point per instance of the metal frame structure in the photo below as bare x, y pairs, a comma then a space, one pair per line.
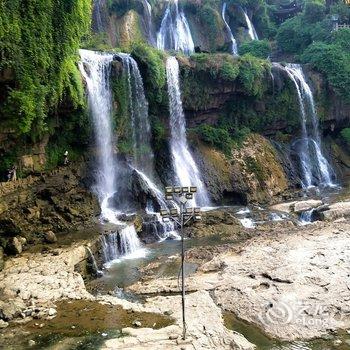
181, 216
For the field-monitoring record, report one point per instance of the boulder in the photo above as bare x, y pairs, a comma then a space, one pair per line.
335, 211
11, 309
14, 246
302, 206
50, 237
3, 324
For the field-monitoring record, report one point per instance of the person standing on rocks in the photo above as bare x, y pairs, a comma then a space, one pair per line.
12, 173
65, 160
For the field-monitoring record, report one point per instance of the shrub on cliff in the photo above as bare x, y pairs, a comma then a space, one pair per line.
257, 48
152, 66
345, 134
334, 62
38, 44
216, 137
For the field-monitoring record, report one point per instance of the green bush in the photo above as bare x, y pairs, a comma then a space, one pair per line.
257, 48
39, 40
151, 63
314, 11
345, 134
216, 137
334, 62
251, 74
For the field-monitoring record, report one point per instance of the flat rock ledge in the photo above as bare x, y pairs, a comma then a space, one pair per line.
293, 285
205, 330
32, 283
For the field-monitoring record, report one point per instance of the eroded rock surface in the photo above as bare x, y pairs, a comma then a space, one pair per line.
293, 285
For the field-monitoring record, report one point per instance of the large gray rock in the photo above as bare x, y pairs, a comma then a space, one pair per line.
299, 207
50, 237
11, 309
14, 246
335, 211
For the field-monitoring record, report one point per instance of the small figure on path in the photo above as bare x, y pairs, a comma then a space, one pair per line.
12, 173
65, 160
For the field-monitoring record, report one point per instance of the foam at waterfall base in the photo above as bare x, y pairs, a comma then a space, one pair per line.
130, 247
247, 223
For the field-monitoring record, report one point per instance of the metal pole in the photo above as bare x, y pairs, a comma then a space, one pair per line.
183, 272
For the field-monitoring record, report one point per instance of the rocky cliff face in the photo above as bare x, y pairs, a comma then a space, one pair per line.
32, 207
252, 173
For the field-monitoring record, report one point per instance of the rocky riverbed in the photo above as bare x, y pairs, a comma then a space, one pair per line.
293, 284
290, 281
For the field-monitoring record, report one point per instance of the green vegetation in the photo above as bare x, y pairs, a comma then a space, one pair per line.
151, 63
38, 45
333, 60
256, 48
345, 135
216, 137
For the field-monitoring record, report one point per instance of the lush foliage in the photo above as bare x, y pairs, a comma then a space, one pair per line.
345, 134
333, 60
151, 63
256, 48
38, 45
216, 137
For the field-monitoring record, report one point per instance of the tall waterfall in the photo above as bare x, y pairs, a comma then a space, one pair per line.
98, 15
251, 29
234, 48
185, 167
315, 167
95, 68
174, 32
143, 157
147, 9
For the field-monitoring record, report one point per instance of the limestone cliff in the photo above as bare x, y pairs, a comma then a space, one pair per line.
252, 173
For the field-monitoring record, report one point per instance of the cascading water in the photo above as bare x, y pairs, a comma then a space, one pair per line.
251, 29
148, 21
185, 167
143, 159
174, 32
234, 48
98, 16
95, 68
315, 167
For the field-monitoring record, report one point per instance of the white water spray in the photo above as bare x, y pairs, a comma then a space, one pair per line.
234, 48
148, 21
174, 32
185, 167
315, 167
95, 68
251, 29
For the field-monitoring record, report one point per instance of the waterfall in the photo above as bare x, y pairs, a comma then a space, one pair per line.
97, 271
147, 9
98, 15
143, 157
306, 217
185, 167
315, 167
251, 29
95, 68
234, 48
174, 32
143, 160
